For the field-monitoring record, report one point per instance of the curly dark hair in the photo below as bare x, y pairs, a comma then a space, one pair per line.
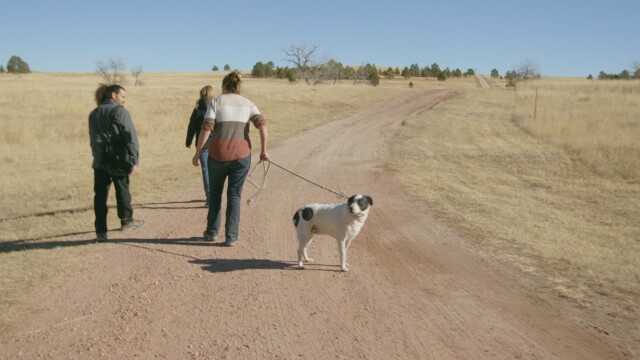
103, 92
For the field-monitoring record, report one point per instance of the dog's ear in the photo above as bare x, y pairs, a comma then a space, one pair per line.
370, 200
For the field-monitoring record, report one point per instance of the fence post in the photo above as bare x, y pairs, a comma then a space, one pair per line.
535, 106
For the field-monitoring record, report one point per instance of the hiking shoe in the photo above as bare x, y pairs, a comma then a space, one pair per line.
101, 237
230, 243
133, 224
209, 237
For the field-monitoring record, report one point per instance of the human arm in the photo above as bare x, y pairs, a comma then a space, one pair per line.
202, 139
263, 141
128, 133
193, 127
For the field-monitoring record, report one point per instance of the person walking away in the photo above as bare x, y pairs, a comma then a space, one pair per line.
229, 117
195, 124
112, 113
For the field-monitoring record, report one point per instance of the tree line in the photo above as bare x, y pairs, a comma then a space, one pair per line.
333, 70
623, 75
305, 68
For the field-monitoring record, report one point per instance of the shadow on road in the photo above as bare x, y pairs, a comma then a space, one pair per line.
28, 244
228, 265
157, 205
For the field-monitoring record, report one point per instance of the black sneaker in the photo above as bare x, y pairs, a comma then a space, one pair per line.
133, 224
101, 237
209, 237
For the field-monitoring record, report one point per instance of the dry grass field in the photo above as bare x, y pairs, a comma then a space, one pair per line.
558, 197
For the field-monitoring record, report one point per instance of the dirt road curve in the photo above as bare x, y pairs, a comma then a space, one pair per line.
415, 289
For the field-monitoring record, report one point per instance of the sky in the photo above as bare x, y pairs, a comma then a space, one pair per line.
562, 38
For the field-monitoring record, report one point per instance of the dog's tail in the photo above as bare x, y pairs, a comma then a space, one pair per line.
296, 218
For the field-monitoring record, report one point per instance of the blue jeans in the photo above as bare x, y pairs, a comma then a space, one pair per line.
204, 156
219, 171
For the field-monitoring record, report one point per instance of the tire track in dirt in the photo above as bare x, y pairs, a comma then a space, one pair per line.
415, 289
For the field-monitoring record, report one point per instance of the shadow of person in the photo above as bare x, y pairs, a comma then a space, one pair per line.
228, 265
20, 245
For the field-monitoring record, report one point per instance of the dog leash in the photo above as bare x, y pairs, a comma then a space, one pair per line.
267, 164
263, 184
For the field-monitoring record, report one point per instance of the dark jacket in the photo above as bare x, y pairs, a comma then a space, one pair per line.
195, 122
100, 120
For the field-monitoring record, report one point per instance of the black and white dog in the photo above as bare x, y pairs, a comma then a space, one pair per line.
342, 221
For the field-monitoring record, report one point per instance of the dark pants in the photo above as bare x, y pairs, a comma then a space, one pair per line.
219, 171
101, 184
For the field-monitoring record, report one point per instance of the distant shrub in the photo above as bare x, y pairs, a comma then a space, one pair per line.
17, 66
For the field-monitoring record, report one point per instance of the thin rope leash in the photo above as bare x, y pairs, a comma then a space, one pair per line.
263, 184
339, 194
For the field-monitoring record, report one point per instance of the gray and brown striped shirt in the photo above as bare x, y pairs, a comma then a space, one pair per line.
228, 116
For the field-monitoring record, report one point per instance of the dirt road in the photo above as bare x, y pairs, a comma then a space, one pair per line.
416, 289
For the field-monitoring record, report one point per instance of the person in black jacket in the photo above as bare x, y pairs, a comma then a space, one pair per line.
195, 124
111, 112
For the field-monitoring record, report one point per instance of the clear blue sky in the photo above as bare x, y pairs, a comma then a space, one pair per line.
563, 38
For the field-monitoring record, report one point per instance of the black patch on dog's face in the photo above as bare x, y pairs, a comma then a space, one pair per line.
307, 213
296, 219
363, 202
351, 200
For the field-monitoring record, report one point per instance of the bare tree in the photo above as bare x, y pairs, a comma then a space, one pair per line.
136, 75
302, 58
636, 69
330, 70
112, 71
527, 70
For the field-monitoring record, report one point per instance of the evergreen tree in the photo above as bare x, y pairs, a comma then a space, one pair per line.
406, 73
373, 77
262, 70
17, 66
426, 72
435, 70
389, 73
415, 70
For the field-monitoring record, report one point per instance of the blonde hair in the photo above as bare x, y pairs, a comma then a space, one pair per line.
231, 83
206, 94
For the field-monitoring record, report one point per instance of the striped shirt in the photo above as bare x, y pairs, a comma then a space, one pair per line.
228, 116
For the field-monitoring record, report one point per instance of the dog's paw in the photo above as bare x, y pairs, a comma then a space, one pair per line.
300, 265
344, 269
309, 260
